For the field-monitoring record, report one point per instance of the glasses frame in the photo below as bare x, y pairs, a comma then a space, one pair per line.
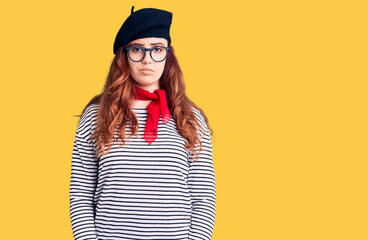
147, 49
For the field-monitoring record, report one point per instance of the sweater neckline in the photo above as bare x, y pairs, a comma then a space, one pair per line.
140, 109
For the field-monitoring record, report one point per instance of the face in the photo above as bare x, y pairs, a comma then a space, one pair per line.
147, 79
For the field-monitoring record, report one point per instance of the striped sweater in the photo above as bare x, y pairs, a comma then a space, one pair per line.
141, 191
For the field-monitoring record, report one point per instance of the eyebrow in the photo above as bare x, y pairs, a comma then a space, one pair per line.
152, 44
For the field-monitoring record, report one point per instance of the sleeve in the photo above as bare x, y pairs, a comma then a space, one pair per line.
83, 183
202, 188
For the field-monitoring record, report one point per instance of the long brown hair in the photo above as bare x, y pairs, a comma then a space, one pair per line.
116, 100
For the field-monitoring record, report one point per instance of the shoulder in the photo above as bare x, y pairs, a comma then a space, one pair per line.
200, 118
87, 120
203, 134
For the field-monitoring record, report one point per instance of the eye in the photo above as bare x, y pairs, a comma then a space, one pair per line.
136, 49
157, 49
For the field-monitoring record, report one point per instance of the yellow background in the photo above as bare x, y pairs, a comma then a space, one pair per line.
283, 83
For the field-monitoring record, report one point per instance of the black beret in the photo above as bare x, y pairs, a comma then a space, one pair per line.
146, 22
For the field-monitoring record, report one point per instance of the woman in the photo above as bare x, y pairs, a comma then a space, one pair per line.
142, 163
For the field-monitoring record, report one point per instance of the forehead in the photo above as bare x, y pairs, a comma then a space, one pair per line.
150, 41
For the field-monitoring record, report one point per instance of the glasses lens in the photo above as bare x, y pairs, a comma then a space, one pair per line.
158, 54
136, 53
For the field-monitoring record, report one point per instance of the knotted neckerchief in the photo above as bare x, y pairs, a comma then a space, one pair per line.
157, 106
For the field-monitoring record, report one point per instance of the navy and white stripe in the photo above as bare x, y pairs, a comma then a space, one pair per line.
141, 191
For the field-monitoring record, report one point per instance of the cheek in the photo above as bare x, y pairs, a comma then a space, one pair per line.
159, 71
161, 68
132, 68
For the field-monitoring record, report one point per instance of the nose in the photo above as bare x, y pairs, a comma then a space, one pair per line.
147, 58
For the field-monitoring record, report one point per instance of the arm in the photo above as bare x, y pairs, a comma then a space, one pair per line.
83, 182
202, 188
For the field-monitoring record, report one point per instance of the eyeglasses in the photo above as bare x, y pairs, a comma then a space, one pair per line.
137, 53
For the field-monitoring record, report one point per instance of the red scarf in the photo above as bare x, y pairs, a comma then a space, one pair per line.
157, 106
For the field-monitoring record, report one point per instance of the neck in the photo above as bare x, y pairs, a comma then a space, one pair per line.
150, 88
140, 103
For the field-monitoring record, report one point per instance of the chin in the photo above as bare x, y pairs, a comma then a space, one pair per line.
146, 81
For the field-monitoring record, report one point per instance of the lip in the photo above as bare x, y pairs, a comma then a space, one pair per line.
146, 69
